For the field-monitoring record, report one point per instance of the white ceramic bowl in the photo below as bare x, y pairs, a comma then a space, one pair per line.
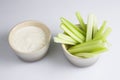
35, 55
78, 61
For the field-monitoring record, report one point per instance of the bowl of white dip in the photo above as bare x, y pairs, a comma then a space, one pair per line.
30, 40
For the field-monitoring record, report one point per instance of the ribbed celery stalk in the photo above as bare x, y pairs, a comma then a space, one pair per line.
101, 30
77, 31
88, 43
66, 37
59, 40
87, 48
71, 33
80, 19
95, 26
89, 27
104, 35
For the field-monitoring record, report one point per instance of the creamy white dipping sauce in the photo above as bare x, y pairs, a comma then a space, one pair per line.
28, 39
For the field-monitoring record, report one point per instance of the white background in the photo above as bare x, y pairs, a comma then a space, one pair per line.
54, 65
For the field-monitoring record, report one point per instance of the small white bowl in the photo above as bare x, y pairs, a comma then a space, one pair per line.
78, 61
34, 55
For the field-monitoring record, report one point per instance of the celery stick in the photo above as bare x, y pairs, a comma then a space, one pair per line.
104, 35
95, 26
80, 19
84, 55
107, 32
100, 50
89, 27
86, 48
79, 33
69, 24
91, 54
59, 40
101, 30
88, 43
71, 33
66, 37
99, 37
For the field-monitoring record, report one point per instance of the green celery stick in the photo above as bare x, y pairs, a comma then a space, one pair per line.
66, 37
77, 31
86, 48
89, 27
95, 26
69, 24
84, 55
80, 19
88, 43
104, 35
107, 32
100, 50
99, 37
71, 33
91, 54
59, 40
101, 30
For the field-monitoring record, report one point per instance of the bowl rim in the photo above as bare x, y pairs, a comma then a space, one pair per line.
28, 21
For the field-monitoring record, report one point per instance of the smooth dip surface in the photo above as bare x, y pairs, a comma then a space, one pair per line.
28, 39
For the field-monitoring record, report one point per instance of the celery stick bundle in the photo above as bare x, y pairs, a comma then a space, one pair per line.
85, 40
